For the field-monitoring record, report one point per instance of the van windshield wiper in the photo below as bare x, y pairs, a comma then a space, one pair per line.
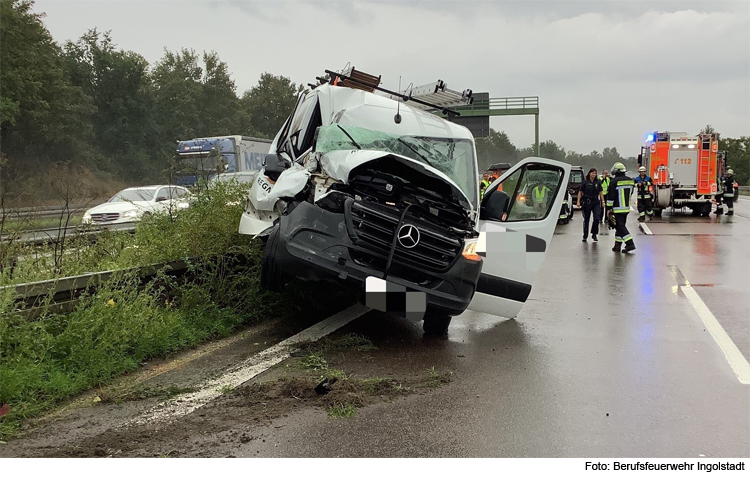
411, 147
350, 137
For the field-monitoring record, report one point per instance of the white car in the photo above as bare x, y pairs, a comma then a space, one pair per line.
132, 204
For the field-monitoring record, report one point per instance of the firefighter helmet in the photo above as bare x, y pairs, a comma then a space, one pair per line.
618, 167
730, 172
641, 169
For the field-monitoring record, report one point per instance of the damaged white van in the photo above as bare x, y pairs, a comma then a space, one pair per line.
359, 187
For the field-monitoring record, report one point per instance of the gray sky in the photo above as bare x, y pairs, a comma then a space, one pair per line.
606, 72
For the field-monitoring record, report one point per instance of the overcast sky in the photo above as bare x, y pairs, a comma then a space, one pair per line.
606, 72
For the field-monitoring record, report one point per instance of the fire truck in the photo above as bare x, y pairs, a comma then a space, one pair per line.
686, 169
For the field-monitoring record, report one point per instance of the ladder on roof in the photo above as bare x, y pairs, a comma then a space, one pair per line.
436, 94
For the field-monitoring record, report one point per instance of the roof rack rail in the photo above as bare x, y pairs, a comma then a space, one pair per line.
439, 95
367, 82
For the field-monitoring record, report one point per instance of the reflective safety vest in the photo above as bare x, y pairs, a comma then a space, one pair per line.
643, 190
619, 194
605, 184
483, 185
540, 194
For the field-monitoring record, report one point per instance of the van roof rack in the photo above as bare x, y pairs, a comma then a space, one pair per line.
370, 83
438, 94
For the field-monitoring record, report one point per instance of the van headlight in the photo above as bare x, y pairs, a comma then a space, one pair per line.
470, 250
86, 218
132, 213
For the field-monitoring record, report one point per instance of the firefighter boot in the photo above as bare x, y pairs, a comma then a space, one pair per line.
629, 246
730, 212
618, 245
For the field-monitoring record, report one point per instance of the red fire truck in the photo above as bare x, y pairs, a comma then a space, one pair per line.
685, 168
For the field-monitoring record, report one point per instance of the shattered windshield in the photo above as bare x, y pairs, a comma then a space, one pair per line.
454, 157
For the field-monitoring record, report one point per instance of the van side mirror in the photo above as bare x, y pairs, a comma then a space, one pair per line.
275, 165
494, 205
161, 198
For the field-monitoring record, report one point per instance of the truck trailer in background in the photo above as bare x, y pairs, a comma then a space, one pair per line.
206, 157
686, 169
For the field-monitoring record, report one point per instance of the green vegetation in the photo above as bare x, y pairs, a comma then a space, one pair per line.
124, 323
89, 105
342, 410
738, 157
436, 378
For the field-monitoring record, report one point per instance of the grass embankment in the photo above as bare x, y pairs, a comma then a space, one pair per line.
36, 224
121, 325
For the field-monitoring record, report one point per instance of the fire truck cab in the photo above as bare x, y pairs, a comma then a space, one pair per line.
685, 169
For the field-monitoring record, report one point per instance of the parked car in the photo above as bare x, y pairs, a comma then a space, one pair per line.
133, 203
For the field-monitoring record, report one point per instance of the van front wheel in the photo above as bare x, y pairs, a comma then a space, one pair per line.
436, 323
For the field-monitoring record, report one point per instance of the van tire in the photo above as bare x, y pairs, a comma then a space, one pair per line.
436, 323
270, 276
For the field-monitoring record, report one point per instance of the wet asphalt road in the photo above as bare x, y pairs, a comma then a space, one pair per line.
607, 359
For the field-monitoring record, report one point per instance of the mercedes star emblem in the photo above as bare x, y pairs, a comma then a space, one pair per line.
408, 236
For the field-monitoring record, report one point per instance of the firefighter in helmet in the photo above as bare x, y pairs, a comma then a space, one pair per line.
643, 185
618, 203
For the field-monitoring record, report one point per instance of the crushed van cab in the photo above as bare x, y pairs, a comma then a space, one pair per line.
359, 188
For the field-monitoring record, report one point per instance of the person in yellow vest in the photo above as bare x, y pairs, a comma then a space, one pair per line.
605, 179
540, 198
484, 184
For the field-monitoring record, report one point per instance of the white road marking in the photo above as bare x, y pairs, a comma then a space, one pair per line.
248, 369
736, 360
646, 229
631, 207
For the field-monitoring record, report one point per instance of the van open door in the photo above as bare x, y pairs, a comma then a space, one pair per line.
518, 215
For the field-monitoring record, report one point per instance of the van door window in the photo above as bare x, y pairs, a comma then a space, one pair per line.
302, 129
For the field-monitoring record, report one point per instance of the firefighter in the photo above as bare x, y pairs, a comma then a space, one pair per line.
484, 184
591, 192
618, 203
728, 195
645, 204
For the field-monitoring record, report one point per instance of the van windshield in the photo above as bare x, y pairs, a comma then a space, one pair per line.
454, 157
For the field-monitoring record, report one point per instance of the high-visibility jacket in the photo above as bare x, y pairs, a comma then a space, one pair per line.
605, 184
539, 194
483, 185
729, 186
619, 194
643, 191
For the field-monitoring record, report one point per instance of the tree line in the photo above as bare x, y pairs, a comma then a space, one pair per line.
497, 147
90, 104
91, 108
